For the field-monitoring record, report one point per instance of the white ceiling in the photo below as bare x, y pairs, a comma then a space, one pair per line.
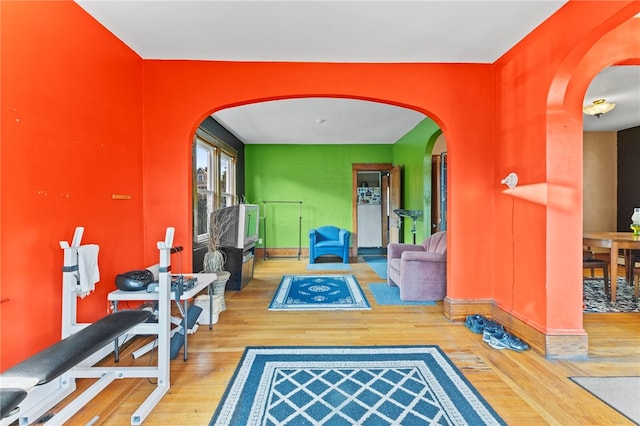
342, 31
319, 121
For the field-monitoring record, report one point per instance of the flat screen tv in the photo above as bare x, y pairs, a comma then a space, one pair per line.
239, 225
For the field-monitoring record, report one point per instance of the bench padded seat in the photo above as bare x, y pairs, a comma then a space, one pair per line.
60, 357
10, 399
69, 352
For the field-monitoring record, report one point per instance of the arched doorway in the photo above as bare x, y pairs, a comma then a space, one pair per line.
564, 134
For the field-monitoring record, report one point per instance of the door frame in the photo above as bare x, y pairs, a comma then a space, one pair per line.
363, 167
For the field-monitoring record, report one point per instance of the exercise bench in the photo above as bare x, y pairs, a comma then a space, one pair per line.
31, 388
60, 357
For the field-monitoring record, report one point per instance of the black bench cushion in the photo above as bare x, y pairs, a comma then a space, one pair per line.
67, 353
10, 399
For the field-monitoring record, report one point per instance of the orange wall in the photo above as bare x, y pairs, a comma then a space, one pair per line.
540, 87
178, 94
83, 118
71, 137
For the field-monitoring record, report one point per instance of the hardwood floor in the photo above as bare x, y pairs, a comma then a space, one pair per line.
524, 388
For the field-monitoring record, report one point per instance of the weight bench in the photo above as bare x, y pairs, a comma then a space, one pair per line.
30, 389
60, 357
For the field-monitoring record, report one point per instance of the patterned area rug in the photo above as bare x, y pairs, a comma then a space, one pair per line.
318, 292
595, 300
340, 386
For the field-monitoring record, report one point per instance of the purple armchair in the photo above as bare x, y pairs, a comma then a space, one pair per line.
420, 270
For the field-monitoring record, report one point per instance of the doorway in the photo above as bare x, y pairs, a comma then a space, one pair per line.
376, 190
370, 212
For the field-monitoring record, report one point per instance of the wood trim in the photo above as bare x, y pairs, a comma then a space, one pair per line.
567, 347
282, 252
456, 310
535, 339
384, 189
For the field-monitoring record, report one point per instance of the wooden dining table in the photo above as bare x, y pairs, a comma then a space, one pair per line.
613, 241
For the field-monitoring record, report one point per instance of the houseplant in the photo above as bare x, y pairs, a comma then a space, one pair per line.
214, 259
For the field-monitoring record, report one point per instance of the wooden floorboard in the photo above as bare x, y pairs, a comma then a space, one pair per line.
524, 388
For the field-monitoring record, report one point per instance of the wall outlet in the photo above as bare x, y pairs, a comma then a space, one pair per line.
260, 241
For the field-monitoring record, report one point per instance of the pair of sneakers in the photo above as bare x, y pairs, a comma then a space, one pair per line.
494, 333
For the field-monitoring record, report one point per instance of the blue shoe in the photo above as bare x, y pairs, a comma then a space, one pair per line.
477, 323
490, 331
471, 322
503, 340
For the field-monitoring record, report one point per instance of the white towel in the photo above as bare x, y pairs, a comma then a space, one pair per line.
88, 273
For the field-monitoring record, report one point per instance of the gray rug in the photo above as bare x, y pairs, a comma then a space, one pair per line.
595, 300
620, 393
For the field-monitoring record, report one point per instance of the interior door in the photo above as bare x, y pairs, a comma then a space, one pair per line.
395, 202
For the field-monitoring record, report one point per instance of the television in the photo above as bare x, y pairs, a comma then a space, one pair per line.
238, 224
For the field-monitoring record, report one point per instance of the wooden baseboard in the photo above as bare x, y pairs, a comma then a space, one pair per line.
567, 347
457, 310
281, 252
551, 346
534, 338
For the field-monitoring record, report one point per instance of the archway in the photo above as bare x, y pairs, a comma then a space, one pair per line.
381, 116
564, 140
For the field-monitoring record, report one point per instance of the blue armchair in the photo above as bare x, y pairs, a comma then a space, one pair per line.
329, 240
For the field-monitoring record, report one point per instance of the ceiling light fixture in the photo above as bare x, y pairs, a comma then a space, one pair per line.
598, 107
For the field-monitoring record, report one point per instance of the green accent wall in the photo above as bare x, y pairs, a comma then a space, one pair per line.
320, 177
413, 153
317, 175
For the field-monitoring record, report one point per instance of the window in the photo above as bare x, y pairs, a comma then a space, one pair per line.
227, 179
214, 180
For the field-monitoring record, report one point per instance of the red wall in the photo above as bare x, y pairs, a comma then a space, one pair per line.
71, 137
84, 118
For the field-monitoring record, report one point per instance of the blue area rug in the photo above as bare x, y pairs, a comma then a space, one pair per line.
387, 295
328, 267
340, 386
378, 264
318, 292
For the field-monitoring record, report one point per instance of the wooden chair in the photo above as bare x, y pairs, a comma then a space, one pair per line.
631, 257
589, 261
635, 279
